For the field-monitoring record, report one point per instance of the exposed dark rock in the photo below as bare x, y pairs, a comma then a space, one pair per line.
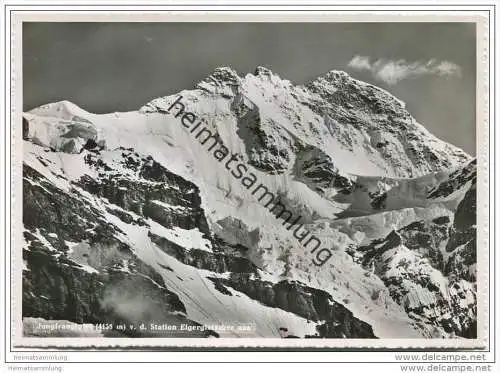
312, 304
26, 129
316, 169
170, 200
441, 220
55, 287
263, 148
429, 240
379, 201
462, 243
219, 262
457, 179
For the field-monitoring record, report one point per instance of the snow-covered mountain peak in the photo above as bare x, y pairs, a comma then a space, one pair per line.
223, 75
150, 204
61, 109
262, 70
363, 129
335, 75
267, 74
347, 90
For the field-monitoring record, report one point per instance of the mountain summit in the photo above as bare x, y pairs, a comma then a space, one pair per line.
128, 217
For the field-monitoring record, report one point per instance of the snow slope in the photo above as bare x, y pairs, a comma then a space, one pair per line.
160, 209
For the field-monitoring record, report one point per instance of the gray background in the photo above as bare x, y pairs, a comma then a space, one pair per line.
106, 67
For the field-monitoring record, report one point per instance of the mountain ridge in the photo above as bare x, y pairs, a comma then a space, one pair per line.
346, 156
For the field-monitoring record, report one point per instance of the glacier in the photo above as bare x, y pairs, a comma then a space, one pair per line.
127, 218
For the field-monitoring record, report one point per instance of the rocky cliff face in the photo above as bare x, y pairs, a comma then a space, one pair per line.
417, 268
128, 218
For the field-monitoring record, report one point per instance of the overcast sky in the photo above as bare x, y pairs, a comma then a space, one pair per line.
105, 67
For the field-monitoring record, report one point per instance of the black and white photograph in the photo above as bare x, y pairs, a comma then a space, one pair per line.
213, 183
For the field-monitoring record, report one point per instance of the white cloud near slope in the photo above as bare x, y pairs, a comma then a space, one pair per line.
393, 71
